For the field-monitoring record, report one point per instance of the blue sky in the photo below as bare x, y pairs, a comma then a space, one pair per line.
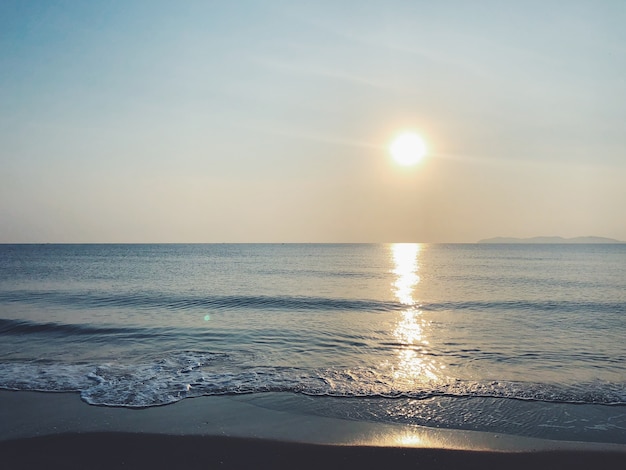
154, 121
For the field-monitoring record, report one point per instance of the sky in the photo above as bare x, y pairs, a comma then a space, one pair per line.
271, 121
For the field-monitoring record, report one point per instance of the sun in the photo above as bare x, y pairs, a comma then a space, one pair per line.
408, 149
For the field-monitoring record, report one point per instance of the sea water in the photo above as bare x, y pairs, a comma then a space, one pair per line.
518, 339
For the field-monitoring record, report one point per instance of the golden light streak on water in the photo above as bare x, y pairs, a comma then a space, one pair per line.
412, 363
405, 268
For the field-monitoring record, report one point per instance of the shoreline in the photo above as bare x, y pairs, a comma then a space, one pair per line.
28, 414
50, 430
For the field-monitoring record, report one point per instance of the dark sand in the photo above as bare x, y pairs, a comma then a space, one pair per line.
127, 450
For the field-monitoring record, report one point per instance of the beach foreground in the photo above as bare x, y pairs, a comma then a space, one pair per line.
43, 430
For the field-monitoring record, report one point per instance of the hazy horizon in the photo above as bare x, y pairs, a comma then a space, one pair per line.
210, 122
490, 240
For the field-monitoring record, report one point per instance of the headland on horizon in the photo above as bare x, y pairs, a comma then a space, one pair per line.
551, 240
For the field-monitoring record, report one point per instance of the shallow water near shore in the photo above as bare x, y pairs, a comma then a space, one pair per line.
33, 414
513, 339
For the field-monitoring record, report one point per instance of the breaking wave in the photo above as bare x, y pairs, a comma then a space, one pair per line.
172, 377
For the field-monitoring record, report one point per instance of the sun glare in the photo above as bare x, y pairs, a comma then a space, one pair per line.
408, 149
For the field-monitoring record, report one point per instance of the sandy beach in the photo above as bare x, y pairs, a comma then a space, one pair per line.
115, 450
60, 431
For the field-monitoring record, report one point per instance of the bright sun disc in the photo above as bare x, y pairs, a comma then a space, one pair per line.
408, 149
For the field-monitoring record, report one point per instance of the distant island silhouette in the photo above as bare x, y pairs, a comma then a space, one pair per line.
552, 240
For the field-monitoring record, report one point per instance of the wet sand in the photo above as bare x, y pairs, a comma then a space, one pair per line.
44, 430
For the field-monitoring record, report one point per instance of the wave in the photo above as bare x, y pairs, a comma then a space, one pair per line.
151, 300
24, 327
157, 300
20, 327
174, 376
517, 305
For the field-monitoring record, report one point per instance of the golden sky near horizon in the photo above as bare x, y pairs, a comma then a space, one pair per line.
154, 121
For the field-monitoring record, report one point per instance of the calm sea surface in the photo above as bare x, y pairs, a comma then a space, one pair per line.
521, 339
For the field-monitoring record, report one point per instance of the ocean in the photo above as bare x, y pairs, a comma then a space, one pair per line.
526, 340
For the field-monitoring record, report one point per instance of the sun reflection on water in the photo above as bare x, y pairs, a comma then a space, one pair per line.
405, 268
413, 363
